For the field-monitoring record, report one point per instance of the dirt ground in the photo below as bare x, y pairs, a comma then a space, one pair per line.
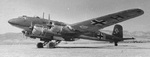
78, 50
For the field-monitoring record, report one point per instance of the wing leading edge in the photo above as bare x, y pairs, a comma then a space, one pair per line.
95, 24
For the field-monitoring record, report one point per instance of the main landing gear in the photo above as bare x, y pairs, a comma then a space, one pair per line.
40, 45
49, 44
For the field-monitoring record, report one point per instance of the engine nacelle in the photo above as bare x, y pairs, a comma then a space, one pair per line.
41, 30
45, 31
37, 30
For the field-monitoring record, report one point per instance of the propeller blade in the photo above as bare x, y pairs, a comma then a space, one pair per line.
26, 37
23, 34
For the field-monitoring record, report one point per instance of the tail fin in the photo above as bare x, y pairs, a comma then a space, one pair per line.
118, 31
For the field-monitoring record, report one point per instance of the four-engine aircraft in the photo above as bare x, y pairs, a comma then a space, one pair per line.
53, 32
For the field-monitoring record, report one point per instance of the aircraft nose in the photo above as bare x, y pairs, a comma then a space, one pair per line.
12, 21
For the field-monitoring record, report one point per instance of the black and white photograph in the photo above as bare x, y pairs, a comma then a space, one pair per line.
74, 28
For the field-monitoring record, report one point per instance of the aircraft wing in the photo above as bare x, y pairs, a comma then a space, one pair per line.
101, 22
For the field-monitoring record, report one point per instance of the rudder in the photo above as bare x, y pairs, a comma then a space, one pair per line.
118, 31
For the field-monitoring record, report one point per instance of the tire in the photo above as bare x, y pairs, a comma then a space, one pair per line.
51, 45
40, 45
116, 43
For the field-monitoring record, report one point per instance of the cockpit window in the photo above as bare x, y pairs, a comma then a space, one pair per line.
38, 25
24, 17
37, 17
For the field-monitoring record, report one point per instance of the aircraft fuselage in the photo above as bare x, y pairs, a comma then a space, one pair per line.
59, 28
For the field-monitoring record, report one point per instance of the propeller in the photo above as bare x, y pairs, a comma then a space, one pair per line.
23, 34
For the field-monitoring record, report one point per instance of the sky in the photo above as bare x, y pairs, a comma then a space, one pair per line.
73, 11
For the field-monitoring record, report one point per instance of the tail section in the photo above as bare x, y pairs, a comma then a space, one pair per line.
118, 31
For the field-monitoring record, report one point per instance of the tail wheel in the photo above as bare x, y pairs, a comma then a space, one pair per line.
116, 43
40, 45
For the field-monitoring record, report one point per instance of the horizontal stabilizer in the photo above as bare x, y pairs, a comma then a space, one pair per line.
128, 38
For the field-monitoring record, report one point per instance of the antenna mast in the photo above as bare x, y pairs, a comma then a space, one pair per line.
49, 17
43, 15
49, 22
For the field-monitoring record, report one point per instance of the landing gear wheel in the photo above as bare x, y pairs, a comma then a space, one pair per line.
40, 45
116, 43
52, 45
